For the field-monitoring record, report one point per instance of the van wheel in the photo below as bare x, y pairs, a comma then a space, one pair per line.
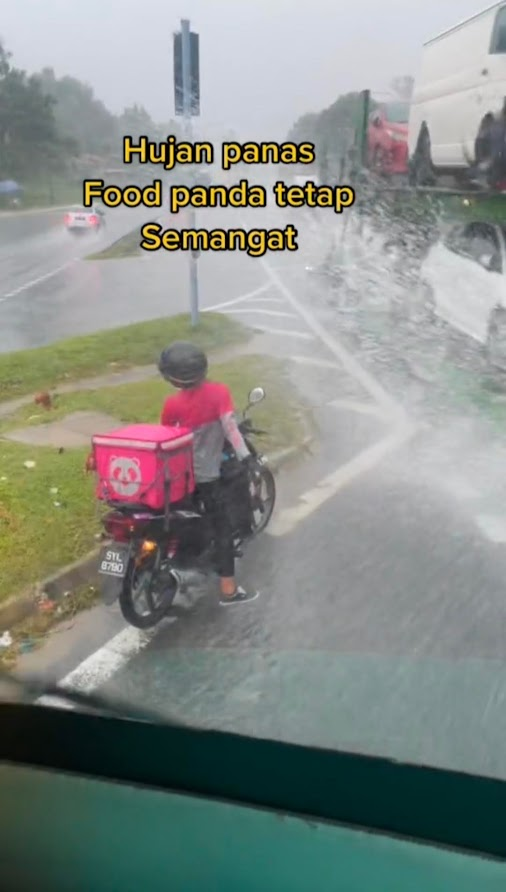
421, 169
495, 349
482, 143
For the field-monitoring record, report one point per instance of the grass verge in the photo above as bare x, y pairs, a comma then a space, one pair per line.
491, 209
33, 631
49, 192
128, 245
48, 515
44, 368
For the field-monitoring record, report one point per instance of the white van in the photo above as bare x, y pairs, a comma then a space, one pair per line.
460, 86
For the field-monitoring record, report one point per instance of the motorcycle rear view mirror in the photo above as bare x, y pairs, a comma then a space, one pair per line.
255, 396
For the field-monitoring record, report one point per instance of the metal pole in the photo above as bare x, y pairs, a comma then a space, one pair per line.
187, 114
366, 97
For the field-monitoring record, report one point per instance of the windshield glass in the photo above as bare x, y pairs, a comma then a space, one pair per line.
397, 112
320, 560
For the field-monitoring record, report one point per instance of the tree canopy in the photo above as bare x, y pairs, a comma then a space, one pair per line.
332, 130
46, 122
29, 136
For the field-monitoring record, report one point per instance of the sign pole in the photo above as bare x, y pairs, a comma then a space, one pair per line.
187, 115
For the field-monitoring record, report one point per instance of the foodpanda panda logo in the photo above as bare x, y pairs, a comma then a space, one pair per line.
125, 475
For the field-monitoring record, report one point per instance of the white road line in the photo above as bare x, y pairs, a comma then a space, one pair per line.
289, 518
43, 278
310, 360
287, 333
361, 408
349, 363
238, 300
264, 312
105, 662
268, 300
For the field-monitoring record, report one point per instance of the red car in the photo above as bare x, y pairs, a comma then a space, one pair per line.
387, 138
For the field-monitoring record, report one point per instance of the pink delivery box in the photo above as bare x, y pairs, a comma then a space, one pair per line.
141, 463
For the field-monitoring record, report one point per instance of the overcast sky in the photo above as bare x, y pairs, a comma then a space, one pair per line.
263, 62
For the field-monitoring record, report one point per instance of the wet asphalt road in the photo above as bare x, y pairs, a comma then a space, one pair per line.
47, 290
381, 625
381, 628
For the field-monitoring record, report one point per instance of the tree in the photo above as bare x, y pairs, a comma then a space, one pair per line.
332, 130
135, 122
81, 116
29, 138
47, 122
403, 86
304, 129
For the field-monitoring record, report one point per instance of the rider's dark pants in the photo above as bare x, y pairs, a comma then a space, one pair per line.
218, 511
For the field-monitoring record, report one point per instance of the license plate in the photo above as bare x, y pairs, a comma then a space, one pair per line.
114, 562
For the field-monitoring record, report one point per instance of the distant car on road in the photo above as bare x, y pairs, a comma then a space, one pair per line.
79, 219
387, 138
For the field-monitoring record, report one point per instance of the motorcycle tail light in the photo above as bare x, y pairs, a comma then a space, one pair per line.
121, 527
148, 546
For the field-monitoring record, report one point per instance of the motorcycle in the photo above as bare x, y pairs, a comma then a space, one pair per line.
148, 551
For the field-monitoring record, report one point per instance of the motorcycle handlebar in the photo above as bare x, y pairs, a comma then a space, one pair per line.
246, 428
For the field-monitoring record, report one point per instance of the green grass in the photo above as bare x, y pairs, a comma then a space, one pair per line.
48, 192
126, 246
38, 536
43, 368
413, 207
490, 209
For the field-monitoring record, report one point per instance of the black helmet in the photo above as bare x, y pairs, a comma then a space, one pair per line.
183, 364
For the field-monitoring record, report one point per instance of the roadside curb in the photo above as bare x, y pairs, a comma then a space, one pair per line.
28, 212
132, 375
84, 570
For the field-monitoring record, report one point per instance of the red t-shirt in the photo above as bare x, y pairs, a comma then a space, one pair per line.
199, 406
208, 410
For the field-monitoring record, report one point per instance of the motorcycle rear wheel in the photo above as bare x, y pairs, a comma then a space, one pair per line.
158, 583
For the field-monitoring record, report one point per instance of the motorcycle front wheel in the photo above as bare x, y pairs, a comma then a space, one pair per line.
148, 591
263, 497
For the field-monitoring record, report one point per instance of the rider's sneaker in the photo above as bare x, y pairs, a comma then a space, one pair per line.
240, 596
